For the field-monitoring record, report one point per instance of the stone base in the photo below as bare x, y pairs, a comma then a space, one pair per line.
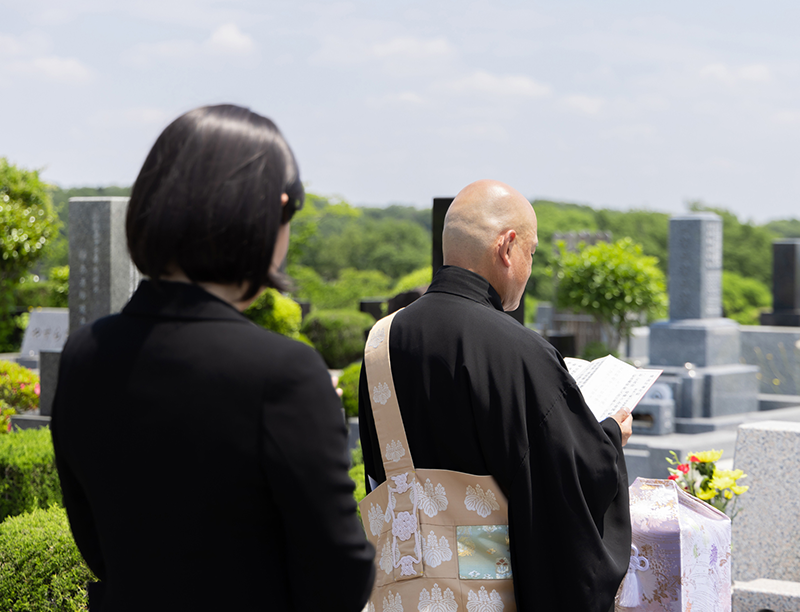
712, 392
765, 594
654, 417
782, 318
701, 342
29, 421
32, 363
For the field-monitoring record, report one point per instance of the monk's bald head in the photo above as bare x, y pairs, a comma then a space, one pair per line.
479, 214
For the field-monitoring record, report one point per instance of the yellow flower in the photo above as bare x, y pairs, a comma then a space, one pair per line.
706, 494
739, 490
722, 481
728, 494
707, 456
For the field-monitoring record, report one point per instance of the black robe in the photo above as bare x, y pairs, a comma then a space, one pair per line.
480, 393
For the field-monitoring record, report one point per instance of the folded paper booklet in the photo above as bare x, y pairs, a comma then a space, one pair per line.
609, 385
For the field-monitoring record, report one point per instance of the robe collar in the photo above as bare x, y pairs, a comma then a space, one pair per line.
173, 300
466, 284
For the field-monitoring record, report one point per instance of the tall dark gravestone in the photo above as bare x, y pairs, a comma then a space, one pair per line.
440, 206
785, 284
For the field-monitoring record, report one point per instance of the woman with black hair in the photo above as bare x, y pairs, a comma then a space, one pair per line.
203, 460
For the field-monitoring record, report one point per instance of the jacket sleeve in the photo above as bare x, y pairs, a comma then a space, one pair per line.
305, 460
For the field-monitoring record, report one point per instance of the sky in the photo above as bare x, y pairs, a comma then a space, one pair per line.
617, 104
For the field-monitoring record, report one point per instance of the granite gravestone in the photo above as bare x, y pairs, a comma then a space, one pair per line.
785, 284
47, 330
698, 349
440, 206
102, 276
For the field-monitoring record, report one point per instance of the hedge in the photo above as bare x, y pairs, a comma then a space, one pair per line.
339, 335
348, 383
28, 477
40, 565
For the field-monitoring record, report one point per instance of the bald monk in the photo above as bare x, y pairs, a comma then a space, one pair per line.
480, 393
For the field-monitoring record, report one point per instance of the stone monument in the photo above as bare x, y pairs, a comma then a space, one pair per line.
698, 349
785, 284
102, 276
47, 330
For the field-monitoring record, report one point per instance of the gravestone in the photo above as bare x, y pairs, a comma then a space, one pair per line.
47, 330
440, 206
698, 349
765, 532
785, 284
102, 276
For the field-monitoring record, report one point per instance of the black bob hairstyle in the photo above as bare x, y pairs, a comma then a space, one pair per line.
208, 199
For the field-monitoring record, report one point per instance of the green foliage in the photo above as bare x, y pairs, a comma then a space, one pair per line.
531, 304
28, 477
744, 299
51, 292
785, 228
413, 280
339, 335
28, 222
348, 383
278, 313
357, 475
330, 236
615, 282
19, 387
595, 350
40, 564
344, 292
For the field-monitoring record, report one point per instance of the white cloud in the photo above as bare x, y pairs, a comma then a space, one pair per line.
413, 48
729, 75
516, 86
230, 40
587, 105
226, 40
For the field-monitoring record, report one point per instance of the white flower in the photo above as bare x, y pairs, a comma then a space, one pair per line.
404, 525
387, 557
376, 520
484, 602
435, 601
480, 502
381, 393
431, 500
376, 338
436, 552
395, 451
392, 603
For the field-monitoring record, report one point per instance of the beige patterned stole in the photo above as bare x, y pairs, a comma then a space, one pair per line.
441, 537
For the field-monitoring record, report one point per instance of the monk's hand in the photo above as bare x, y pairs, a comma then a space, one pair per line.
625, 421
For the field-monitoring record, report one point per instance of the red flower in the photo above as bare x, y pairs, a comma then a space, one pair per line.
684, 467
673, 477
37, 389
694, 459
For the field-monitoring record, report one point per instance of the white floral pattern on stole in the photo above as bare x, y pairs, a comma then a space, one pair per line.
432, 501
376, 519
378, 337
480, 502
392, 603
435, 552
370, 607
436, 601
404, 525
381, 393
395, 451
387, 558
484, 602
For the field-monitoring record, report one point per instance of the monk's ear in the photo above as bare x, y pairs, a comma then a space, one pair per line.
507, 241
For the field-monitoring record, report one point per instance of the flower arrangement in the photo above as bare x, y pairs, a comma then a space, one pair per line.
699, 476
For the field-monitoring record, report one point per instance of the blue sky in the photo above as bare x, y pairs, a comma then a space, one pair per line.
626, 104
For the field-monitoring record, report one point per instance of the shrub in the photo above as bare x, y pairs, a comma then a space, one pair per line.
278, 313
19, 387
744, 299
40, 564
28, 477
348, 383
413, 280
339, 335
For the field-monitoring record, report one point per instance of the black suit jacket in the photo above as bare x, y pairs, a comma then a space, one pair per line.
203, 462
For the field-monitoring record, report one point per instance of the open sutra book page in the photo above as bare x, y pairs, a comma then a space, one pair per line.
609, 385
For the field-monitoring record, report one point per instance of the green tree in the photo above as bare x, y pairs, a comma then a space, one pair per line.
343, 292
615, 282
27, 223
785, 228
744, 299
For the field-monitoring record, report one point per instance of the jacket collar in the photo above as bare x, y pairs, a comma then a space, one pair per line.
467, 284
185, 301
